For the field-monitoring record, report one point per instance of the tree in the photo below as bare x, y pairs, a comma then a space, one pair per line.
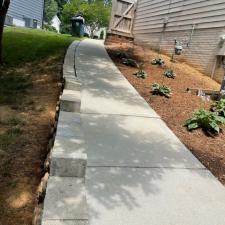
51, 9
96, 13
60, 3
4, 5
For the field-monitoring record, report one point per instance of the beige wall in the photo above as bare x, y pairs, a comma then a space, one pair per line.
208, 18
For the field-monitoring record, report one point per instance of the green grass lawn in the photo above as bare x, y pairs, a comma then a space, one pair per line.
26, 45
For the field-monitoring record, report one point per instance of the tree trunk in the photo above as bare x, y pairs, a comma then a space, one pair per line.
4, 5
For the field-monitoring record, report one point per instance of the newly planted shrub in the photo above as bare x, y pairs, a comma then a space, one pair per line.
210, 122
141, 74
130, 62
170, 73
219, 107
158, 61
122, 55
162, 90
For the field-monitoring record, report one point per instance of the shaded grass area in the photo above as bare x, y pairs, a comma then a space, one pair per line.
13, 86
25, 45
30, 82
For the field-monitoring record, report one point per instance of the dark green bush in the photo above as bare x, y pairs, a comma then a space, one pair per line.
130, 62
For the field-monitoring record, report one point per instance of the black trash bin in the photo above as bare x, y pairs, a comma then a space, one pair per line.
78, 26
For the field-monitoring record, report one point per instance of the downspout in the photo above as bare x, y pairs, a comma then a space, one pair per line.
43, 13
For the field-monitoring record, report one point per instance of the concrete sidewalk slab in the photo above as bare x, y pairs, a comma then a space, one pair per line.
65, 199
70, 101
66, 222
114, 101
73, 84
130, 196
125, 141
69, 125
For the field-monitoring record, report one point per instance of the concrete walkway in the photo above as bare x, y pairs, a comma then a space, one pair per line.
115, 162
138, 172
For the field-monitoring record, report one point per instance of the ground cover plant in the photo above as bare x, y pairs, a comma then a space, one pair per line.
141, 73
160, 89
170, 73
158, 61
30, 83
210, 122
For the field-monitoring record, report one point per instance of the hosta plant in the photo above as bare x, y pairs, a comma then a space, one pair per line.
170, 73
130, 62
210, 122
162, 90
219, 107
141, 74
158, 61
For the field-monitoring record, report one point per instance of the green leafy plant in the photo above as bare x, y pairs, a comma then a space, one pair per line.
158, 61
141, 74
130, 62
170, 73
162, 90
210, 122
219, 107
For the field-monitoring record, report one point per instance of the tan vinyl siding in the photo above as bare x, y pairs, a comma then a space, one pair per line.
208, 17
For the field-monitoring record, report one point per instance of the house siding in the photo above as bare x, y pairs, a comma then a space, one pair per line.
207, 17
26, 8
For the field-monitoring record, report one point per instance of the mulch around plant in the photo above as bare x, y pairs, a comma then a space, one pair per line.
177, 109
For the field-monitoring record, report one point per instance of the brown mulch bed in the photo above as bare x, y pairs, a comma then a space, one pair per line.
22, 160
177, 109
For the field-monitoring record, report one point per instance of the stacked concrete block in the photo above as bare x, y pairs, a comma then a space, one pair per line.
70, 100
65, 201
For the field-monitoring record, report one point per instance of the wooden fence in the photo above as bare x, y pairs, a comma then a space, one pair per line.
122, 18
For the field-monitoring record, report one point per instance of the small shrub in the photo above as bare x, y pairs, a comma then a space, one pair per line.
50, 28
158, 61
219, 107
122, 55
141, 74
170, 73
130, 62
162, 90
210, 122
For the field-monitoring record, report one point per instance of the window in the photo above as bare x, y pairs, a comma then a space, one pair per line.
8, 20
